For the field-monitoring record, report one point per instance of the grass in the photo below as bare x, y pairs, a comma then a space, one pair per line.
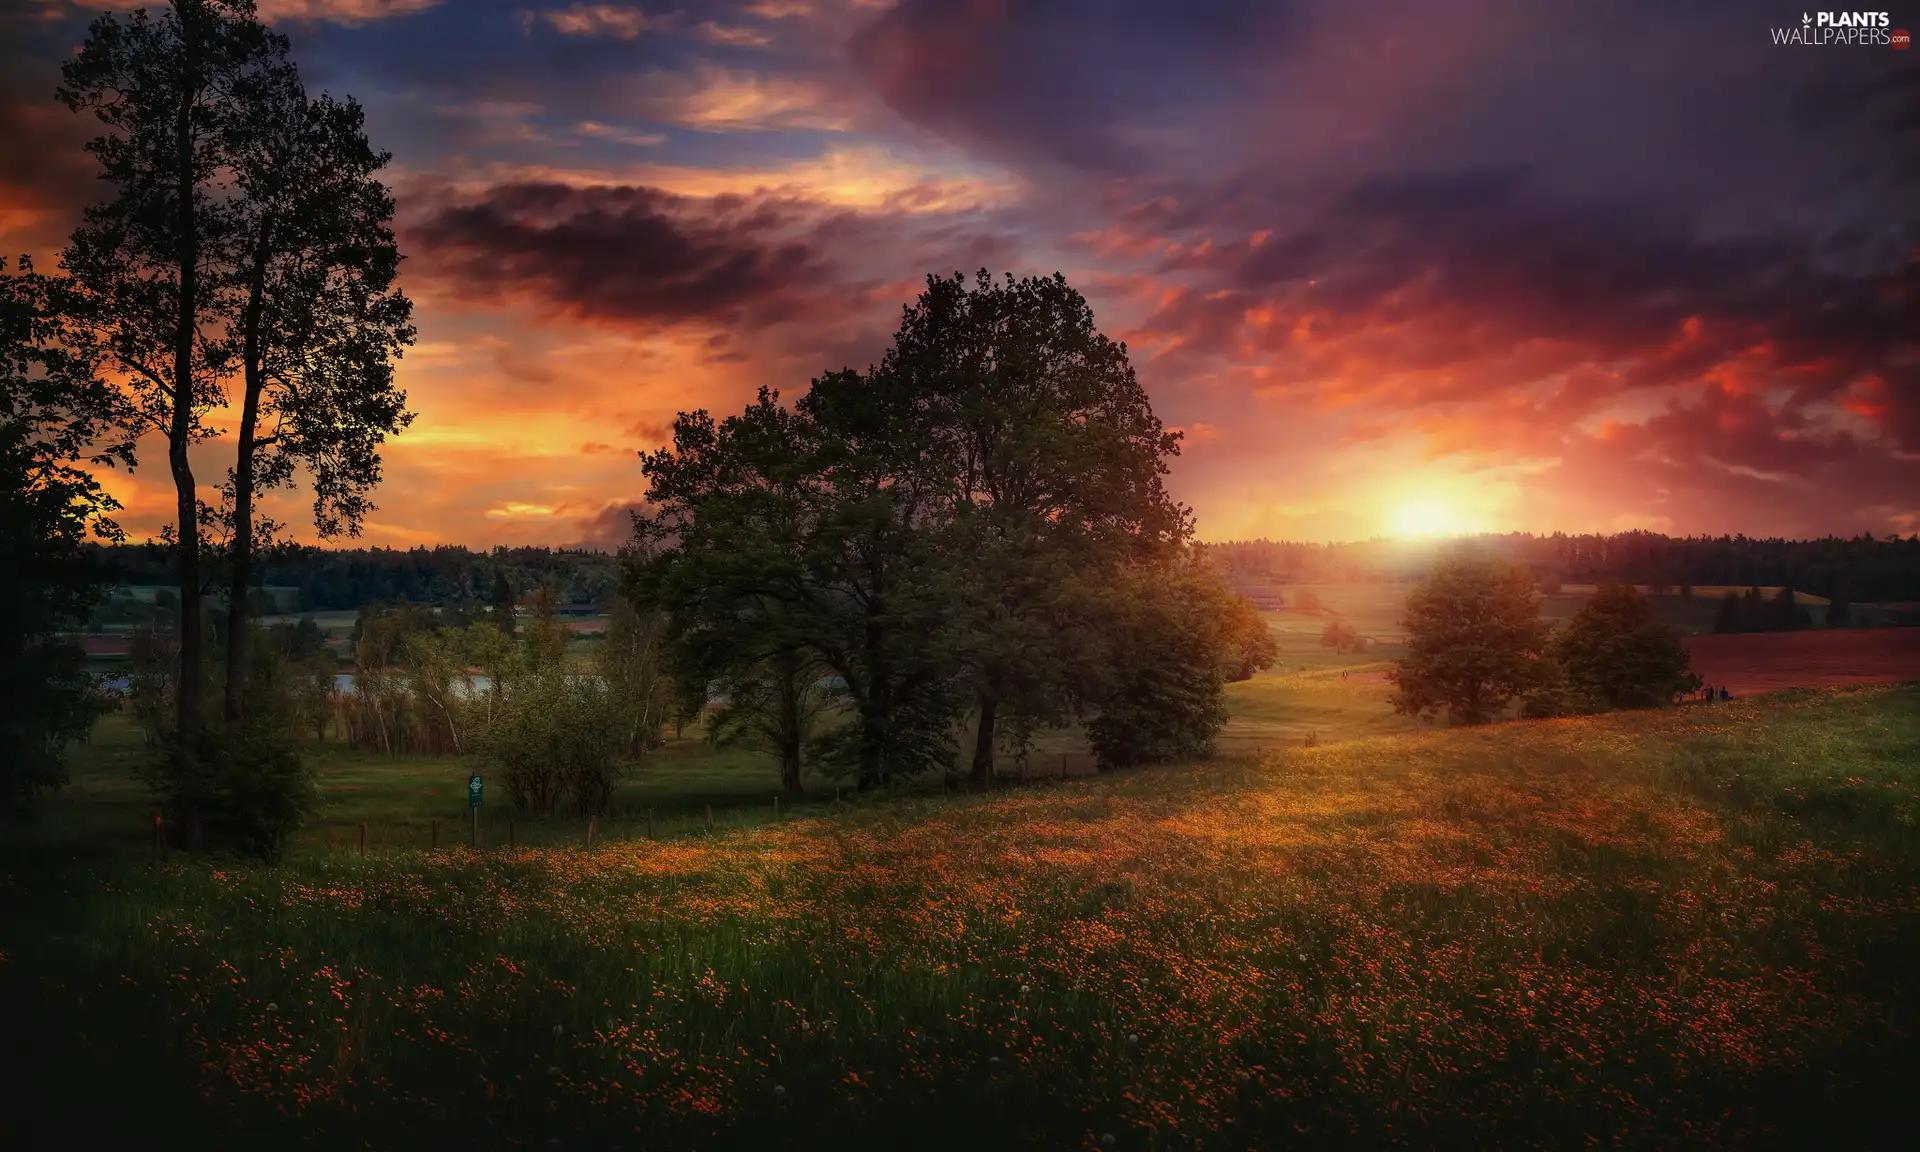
1697, 926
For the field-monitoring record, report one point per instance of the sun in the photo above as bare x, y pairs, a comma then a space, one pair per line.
1426, 518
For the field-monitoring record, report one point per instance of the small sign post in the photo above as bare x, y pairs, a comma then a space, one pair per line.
474, 792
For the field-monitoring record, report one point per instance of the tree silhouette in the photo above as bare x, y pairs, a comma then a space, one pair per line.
148, 265
316, 315
50, 411
1052, 461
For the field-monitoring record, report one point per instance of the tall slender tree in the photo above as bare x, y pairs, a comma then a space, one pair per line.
319, 322
149, 264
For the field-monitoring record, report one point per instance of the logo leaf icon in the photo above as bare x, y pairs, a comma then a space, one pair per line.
1805, 19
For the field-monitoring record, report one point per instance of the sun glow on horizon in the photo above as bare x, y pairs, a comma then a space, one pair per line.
1428, 519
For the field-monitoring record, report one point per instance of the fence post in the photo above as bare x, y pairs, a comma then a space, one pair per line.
590, 823
159, 838
473, 836
363, 841
433, 836
709, 819
649, 823
776, 809
509, 832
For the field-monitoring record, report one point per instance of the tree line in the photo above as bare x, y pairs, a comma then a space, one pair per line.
1862, 569
325, 579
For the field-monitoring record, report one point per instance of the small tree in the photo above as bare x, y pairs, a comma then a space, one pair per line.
1250, 645
1474, 639
1618, 652
1307, 601
630, 664
1727, 618
1339, 636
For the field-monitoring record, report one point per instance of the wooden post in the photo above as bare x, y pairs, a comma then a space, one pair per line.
590, 823
159, 838
649, 823
776, 809
473, 837
509, 833
433, 836
363, 841
709, 819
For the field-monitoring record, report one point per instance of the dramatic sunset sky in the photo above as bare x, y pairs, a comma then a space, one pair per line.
1393, 267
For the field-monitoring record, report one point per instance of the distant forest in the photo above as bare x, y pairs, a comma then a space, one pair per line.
1862, 569
341, 579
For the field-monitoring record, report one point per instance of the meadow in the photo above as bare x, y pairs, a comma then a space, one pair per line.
1695, 926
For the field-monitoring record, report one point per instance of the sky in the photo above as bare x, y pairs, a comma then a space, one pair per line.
1412, 266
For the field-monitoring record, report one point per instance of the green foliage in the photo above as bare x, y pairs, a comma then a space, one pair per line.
632, 665
928, 536
1049, 462
1474, 639
1250, 644
553, 738
1170, 645
794, 536
1617, 652
245, 788
49, 583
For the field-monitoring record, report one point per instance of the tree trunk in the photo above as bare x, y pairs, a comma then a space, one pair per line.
791, 730
243, 486
983, 741
188, 716
790, 769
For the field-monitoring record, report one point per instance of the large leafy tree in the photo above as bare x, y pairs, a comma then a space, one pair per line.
1474, 638
51, 418
1617, 652
1041, 441
797, 539
150, 264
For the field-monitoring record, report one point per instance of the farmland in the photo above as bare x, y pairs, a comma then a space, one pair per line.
1667, 928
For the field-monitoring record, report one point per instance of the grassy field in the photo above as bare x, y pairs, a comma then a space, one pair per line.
1699, 926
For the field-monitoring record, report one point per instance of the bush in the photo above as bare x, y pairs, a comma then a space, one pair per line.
553, 736
245, 789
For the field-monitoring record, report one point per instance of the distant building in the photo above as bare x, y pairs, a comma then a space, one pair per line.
1267, 599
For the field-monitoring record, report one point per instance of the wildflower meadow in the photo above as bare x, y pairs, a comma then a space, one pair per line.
1694, 926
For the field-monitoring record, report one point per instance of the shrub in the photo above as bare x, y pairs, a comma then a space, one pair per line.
247, 788
553, 736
